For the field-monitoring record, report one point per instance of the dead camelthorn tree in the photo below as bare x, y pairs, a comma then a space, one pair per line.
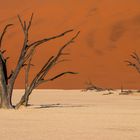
24, 61
135, 63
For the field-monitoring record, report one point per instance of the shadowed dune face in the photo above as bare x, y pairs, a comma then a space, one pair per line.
110, 32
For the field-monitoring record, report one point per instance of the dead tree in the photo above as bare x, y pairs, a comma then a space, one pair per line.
135, 63
24, 61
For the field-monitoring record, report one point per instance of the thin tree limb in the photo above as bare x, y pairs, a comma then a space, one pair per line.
136, 57
55, 59
134, 65
56, 77
3, 33
30, 22
27, 70
39, 42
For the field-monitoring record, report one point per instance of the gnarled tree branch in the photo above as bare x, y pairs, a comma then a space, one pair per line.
27, 50
40, 77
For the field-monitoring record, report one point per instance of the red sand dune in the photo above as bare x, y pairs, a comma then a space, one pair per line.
110, 31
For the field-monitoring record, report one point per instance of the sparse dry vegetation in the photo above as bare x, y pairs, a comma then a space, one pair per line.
91, 87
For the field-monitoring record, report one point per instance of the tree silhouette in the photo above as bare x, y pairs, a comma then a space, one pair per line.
135, 63
24, 61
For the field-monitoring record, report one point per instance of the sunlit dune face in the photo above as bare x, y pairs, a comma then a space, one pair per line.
110, 32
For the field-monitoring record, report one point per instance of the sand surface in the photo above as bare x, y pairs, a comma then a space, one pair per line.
73, 115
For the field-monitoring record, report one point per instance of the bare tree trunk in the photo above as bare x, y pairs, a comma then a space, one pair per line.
24, 101
5, 99
5, 102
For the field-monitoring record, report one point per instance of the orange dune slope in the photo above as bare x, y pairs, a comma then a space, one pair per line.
110, 32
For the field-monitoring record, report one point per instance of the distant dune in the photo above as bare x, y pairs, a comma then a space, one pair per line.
110, 31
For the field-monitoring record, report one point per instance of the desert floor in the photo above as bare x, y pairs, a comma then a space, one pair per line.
73, 115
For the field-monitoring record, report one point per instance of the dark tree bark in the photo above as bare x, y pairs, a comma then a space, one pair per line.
25, 58
4, 101
3, 85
